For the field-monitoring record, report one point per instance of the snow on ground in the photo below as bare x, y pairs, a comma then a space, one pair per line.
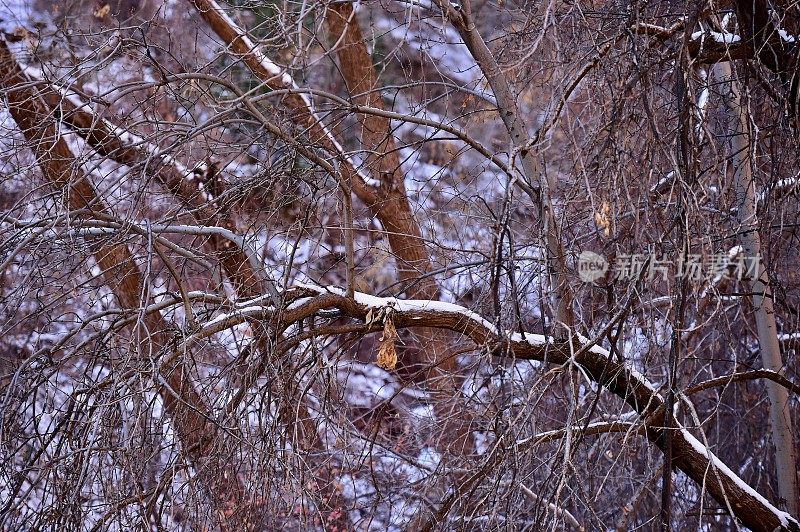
14, 14
441, 44
365, 385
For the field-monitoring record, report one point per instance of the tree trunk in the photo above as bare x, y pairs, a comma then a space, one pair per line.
388, 202
535, 185
190, 416
744, 184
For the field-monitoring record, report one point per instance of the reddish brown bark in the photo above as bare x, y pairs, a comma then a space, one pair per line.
107, 140
405, 238
184, 405
104, 138
387, 202
356, 67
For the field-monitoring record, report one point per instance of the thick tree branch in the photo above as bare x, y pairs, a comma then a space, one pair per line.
689, 455
129, 149
742, 150
186, 408
389, 206
741, 376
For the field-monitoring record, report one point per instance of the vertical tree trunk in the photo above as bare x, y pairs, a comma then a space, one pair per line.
405, 237
388, 202
394, 212
744, 183
535, 185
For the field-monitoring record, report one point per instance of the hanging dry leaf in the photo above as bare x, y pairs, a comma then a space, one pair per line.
102, 11
602, 218
387, 355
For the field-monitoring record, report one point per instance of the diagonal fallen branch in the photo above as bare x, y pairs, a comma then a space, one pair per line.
277, 79
238, 259
127, 148
690, 455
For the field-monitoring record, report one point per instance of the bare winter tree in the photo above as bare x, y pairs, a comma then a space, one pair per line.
399, 265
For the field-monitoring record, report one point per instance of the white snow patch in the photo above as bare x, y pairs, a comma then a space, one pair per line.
787, 337
785, 36
720, 37
365, 385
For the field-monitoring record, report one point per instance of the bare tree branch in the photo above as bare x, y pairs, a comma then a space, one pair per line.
188, 412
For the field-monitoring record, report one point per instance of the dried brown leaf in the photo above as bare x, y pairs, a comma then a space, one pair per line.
102, 11
387, 354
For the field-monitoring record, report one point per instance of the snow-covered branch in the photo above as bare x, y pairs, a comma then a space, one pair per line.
277, 78
691, 456
127, 148
93, 228
386, 198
